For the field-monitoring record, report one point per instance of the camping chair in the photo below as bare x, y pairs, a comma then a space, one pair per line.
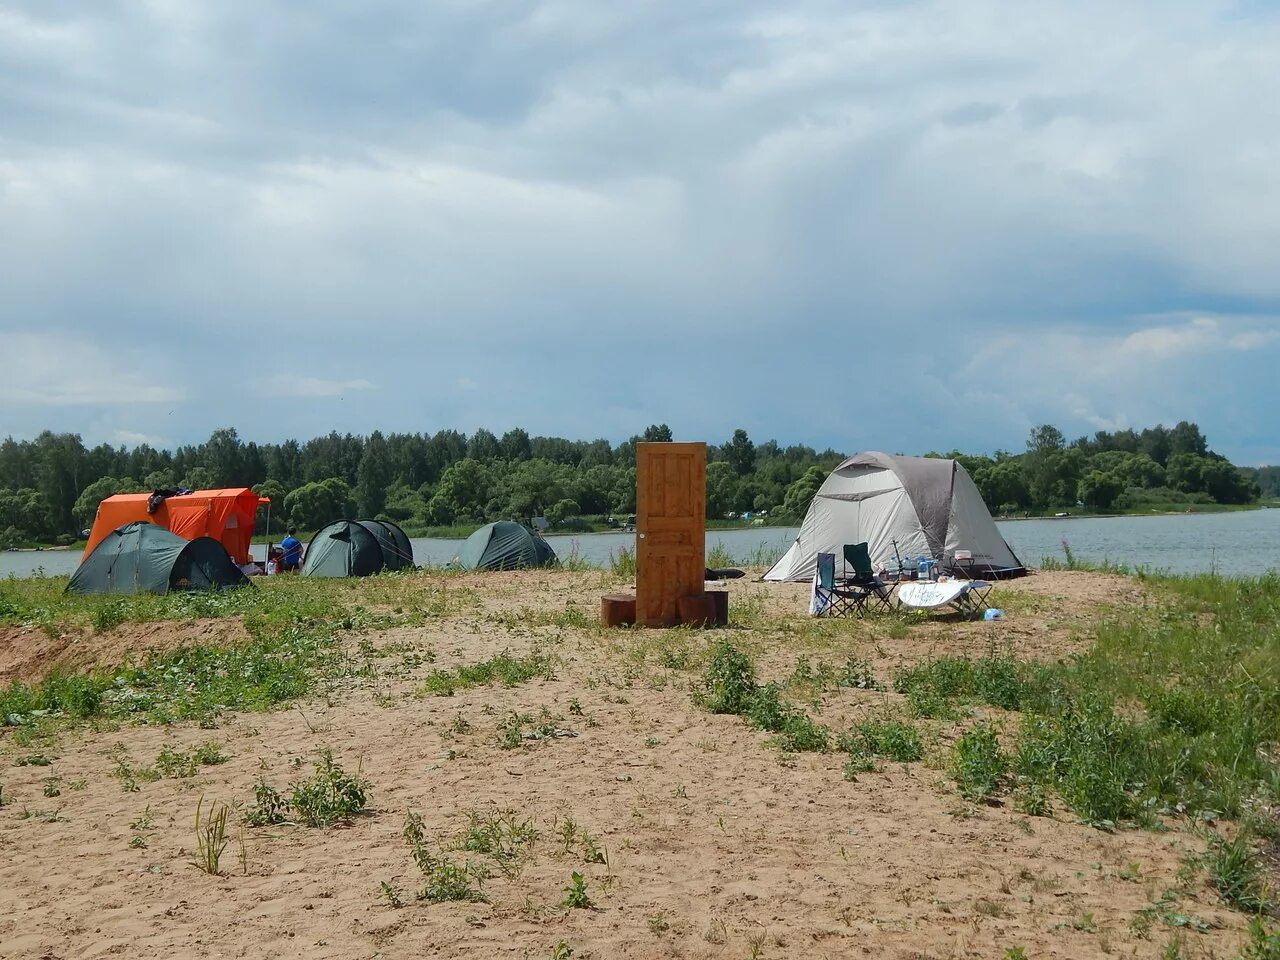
857, 558
832, 600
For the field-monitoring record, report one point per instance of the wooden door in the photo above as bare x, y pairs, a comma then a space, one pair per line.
671, 494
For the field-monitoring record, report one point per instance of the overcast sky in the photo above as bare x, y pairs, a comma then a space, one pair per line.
902, 226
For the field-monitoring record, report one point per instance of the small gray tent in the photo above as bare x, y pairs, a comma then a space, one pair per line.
357, 548
504, 545
143, 557
918, 506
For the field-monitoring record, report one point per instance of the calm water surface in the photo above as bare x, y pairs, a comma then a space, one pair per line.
1234, 544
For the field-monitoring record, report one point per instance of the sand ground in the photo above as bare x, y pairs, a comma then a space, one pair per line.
718, 845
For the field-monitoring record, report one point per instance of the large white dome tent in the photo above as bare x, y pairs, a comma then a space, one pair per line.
927, 506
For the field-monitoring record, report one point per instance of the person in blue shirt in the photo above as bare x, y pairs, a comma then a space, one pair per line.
291, 547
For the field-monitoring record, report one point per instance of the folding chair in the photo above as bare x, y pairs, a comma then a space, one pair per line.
857, 558
831, 600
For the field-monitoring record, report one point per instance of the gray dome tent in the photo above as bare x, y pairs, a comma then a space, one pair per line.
900, 506
143, 557
357, 548
504, 545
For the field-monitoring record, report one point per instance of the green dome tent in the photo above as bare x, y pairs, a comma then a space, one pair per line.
357, 548
504, 545
142, 557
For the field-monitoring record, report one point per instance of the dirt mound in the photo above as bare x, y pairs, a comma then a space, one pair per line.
28, 653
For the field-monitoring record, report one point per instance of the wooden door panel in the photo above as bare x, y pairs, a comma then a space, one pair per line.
670, 528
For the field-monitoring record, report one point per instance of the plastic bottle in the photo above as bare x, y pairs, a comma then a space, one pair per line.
923, 568
908, 571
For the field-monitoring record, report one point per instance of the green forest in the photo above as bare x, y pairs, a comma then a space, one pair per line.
50, 486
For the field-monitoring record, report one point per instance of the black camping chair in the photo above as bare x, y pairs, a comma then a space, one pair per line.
857, 558
835, 599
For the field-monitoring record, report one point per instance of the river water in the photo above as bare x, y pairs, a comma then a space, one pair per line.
1233, 544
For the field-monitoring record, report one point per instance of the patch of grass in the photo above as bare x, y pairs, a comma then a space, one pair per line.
933, 686
329, 796
504, 668
185, 763
729, 686
729, 681
211, 836
500, 834
978, 765
444, 880
1089, 755
893, 739
794, 730
281, 661
1234, 873
1263, 944
623, 563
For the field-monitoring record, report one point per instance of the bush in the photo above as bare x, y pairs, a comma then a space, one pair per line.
328, 796
729, 686
892, 739
729, 682
978, 765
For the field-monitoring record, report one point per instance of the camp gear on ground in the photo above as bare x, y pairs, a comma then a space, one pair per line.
504, 545
225, 515
929, 506
143, 557
964, 596
357, 548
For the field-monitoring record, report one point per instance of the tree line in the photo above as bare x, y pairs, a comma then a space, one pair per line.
50, 486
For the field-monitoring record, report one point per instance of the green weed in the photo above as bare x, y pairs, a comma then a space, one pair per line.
211, 836
505, 669
1234, 873
443, 879
183, 763
892, 739
575, 894
978, 766
329, 796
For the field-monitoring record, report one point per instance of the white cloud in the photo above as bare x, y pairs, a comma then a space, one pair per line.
288, 385
48, 369
135, 438
417, 183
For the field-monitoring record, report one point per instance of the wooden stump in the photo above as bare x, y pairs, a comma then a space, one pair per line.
617, 609
697, 610
721, 600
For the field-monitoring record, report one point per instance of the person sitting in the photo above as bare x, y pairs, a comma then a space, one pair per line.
291, 552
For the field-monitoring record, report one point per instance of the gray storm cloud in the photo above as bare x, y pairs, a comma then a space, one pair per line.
715, 215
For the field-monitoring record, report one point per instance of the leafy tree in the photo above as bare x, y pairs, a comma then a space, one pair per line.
741, 453
801, 493
722, 488
656, 433
483, 445
1099, 490
1045, 438
315, 504
86, 505
515, 445
200, 478
373, 476
560, 511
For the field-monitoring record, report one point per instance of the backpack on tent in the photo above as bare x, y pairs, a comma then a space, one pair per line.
900, 506
143, 557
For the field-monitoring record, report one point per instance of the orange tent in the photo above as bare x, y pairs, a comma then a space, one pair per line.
225, 515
